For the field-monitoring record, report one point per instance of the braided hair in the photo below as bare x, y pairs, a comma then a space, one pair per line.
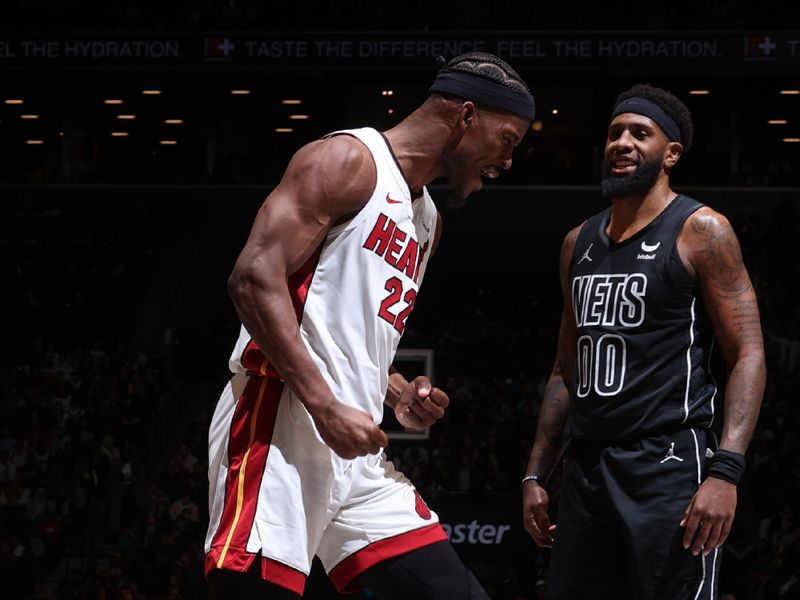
487, 66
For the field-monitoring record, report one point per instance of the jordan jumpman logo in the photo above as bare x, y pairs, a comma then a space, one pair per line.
671, 454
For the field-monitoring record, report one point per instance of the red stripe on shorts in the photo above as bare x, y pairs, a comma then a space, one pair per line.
250, 437
345, 574
271, 570
283, 575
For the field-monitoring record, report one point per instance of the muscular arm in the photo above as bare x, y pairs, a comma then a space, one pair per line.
711, 248
324, 181
549, 443
711, 252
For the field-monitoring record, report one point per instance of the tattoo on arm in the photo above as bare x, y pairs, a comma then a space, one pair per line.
721, 256
549, 442
550, 429
732, 305
730, 286
746, 318
554, 411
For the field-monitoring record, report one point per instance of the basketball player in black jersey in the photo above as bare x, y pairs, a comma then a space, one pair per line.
651, 286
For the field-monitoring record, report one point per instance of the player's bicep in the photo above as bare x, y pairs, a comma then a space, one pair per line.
324, 181
285, 233
735, 318
725, 284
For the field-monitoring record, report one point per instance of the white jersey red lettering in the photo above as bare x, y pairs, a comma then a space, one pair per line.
355, 294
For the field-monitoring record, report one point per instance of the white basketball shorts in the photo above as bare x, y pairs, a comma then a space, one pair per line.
278, 494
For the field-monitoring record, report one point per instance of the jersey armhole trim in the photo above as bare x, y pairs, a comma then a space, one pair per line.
674, 256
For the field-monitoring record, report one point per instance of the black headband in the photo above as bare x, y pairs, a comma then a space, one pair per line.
485, 91
648, 108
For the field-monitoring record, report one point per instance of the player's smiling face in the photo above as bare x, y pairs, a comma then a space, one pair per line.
637, 155
632, 139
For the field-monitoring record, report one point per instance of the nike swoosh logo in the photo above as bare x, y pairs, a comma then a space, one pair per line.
392, 200
648, 248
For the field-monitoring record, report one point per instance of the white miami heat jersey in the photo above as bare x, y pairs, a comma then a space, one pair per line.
354, 295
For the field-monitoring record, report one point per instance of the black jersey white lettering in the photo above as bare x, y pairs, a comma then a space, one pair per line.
644, 337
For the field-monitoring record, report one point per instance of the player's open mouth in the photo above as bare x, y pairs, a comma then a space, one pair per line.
623, 166
490, 172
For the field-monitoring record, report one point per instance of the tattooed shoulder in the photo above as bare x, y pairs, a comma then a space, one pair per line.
716, 251
707, 222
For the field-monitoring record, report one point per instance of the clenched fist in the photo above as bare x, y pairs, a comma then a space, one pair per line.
420, 404
349, 432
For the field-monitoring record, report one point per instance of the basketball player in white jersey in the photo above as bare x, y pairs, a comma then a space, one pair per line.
323, 287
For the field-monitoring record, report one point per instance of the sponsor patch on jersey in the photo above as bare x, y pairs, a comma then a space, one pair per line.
648, 251
648, 248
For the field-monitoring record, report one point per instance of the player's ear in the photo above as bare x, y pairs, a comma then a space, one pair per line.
467, 114
672, 154
463, 121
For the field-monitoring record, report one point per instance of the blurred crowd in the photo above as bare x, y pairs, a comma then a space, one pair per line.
88, 506
97, 497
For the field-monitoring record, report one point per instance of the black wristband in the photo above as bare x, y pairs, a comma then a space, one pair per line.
727, 465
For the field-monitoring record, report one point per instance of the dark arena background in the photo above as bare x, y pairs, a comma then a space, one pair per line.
137, 141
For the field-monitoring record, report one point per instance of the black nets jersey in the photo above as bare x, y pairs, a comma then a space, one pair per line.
644, 339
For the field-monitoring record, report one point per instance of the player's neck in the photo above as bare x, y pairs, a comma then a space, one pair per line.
631, 214
417, 143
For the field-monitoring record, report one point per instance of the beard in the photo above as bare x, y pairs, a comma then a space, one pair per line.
637, 183
455, 171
